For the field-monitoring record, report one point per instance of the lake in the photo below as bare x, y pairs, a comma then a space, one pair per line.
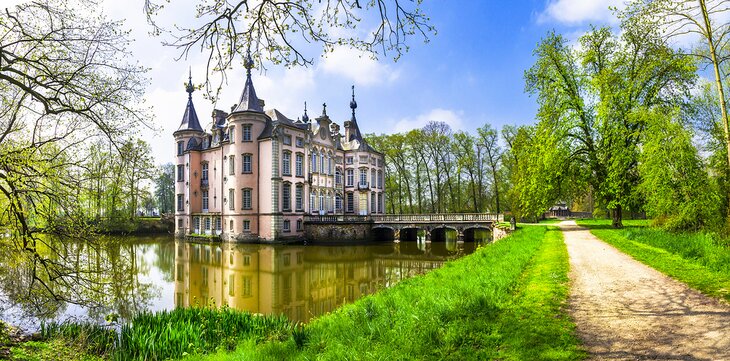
120, 276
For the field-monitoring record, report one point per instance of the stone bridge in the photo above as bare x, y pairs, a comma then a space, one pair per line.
399, 226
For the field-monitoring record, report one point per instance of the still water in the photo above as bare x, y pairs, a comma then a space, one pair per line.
123, 276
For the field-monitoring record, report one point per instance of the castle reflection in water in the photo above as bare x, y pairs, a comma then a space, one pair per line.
300, 282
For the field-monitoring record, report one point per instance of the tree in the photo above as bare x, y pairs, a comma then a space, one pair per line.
278, 31
590, 98
676, 186
165, 188
489, 141
64, 83
705, 19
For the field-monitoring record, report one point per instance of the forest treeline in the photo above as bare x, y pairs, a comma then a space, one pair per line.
628, 123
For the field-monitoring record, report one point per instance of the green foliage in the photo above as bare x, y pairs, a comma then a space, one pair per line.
591, 100
678, 191
173, 334
702, 260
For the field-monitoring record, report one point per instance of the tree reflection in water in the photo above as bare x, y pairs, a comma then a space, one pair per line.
65, 278
126, 275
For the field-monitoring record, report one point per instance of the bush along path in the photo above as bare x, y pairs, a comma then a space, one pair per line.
626, 310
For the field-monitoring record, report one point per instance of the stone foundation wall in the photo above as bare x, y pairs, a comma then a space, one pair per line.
500, 232
315, 232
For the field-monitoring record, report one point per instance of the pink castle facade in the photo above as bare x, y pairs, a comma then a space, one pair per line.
255, 173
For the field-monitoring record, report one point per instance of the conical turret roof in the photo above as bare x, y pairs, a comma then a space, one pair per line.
190, 118
249, 102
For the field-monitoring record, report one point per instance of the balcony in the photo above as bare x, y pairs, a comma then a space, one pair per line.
363, 186
203, 183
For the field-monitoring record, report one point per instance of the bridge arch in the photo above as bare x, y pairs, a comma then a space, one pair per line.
444, 233
383, 233
409, 234
477, 233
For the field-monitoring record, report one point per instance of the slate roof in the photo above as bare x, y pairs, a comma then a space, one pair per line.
190, 118
249, 102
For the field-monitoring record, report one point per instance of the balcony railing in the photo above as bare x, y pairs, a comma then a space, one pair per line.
363, 185
204, 183
407, 218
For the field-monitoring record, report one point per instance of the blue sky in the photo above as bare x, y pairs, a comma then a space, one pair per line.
469, 74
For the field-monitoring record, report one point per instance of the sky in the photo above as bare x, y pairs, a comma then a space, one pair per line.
469, 74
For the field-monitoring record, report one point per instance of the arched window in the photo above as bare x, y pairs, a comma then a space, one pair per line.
338, 176
338, 202
313, 165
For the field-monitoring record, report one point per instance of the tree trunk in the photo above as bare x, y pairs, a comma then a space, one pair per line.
616, 221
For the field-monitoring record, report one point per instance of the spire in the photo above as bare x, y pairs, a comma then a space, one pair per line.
190, 118
353, 103
249, 101
305, 117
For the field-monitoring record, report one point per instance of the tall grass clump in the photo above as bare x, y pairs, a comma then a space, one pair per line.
183, 331
94, 339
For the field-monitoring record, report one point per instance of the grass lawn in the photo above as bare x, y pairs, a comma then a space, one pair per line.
700, 260
506, 301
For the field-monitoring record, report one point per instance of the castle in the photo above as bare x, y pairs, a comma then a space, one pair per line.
255, 174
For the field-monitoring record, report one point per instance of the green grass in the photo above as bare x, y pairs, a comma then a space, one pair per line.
505, 301
701, 260
54, 349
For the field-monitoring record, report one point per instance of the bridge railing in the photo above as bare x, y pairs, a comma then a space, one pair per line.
407, 218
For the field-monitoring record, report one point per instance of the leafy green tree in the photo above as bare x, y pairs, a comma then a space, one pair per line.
674, 181
165, 188
590, 97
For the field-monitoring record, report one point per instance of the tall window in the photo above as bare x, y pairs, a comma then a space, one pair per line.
363, 177
313, 166
313, 201
299, 195
246, 133
372, 178
372, 202
205, 201
350, 202
338, 176
232, 133
300, 165
338, 202
286, 196
287, 225
350, 177
231, 195
204, 175
322, 205
246, 163
286, 163
246, 225
299, 224
380, 203
180, 172
246, 198
322, 169
231, 165
180, 203
380, 179
180, 148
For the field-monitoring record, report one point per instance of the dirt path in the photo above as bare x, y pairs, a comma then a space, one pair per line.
625, 310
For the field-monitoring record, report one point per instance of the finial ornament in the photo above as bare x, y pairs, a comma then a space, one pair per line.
324, 108
353, 103
248, 63
305, 117
189, 86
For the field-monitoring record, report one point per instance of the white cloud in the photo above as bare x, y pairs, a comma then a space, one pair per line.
580, 11
450, 117
358, 67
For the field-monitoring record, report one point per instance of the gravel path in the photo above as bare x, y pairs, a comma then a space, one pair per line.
625, 310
